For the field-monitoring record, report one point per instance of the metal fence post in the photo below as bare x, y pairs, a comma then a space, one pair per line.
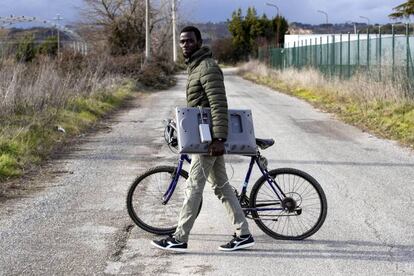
333, 56
310, 52
368, 53
302, 49
407, 34
269, 55
393, 52
316, 52
327, 55
358, 49
340, 55
321, 53
349, 55
297, 55
294, 54
380, 53
306, 52
287, 52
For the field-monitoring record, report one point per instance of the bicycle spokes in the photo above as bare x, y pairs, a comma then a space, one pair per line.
297, 215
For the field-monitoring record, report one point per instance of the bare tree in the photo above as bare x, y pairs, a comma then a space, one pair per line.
162, 30
122, 23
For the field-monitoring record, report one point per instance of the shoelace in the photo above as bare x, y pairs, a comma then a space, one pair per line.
234, 239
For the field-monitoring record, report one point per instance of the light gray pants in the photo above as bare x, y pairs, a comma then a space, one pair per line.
213, 167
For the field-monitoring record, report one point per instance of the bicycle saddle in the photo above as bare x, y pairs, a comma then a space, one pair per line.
264, 143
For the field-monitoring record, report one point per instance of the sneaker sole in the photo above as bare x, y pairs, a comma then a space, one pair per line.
169, 249
236, 248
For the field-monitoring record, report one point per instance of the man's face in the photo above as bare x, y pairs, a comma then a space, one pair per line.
189, 44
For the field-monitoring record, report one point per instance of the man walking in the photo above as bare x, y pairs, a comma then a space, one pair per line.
205, 88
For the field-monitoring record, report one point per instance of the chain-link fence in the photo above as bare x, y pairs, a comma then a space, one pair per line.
383, 57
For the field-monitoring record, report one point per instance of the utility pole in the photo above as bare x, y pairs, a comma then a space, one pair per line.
147, 32
58, 19
174, 22
277, 22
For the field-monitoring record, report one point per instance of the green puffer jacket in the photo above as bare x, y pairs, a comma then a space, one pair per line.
205, 88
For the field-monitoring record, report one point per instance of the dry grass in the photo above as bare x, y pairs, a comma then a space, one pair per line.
360, 87
36, 98
384, 108
33, 88
39, 99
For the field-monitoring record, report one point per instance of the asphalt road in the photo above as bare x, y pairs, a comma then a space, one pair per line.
71, 218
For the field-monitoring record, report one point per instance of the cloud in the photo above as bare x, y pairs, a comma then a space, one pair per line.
220, 10
44, 9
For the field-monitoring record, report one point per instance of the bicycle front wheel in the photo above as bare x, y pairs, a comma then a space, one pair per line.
144, 200
302, 191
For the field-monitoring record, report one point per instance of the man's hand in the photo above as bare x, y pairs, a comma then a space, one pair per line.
216, 148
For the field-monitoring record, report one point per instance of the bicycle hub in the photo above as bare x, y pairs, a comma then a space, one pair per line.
289, 204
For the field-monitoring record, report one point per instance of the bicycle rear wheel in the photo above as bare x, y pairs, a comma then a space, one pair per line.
144, 200
303, 191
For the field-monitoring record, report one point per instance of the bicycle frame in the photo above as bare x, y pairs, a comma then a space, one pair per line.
254, 159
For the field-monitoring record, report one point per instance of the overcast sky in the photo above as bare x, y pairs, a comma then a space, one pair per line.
304, 11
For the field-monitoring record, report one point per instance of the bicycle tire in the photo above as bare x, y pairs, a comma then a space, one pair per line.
144, 201
291, 181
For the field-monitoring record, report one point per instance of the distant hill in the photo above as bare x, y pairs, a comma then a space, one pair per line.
210, 31
301, 28
40, 34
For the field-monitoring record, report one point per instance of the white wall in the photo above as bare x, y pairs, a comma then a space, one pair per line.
297, 40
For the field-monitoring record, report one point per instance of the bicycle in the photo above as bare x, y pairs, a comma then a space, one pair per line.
285, 203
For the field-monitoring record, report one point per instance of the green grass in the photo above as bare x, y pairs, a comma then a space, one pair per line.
27, 139
392, 120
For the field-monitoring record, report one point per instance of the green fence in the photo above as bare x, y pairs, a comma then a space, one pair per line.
383, 57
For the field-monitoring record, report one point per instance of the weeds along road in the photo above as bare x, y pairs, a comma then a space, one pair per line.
74, 220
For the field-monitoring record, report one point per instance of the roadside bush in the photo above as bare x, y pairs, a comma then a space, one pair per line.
49, 47
223, 51
26, 50
156, 75
127, 65
74, 62
47, 98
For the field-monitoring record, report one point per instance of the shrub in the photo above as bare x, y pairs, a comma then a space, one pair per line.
156, 75
49, 47
223, 51
26, 51
127, 65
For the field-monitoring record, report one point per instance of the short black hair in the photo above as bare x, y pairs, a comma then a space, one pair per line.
194, 30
